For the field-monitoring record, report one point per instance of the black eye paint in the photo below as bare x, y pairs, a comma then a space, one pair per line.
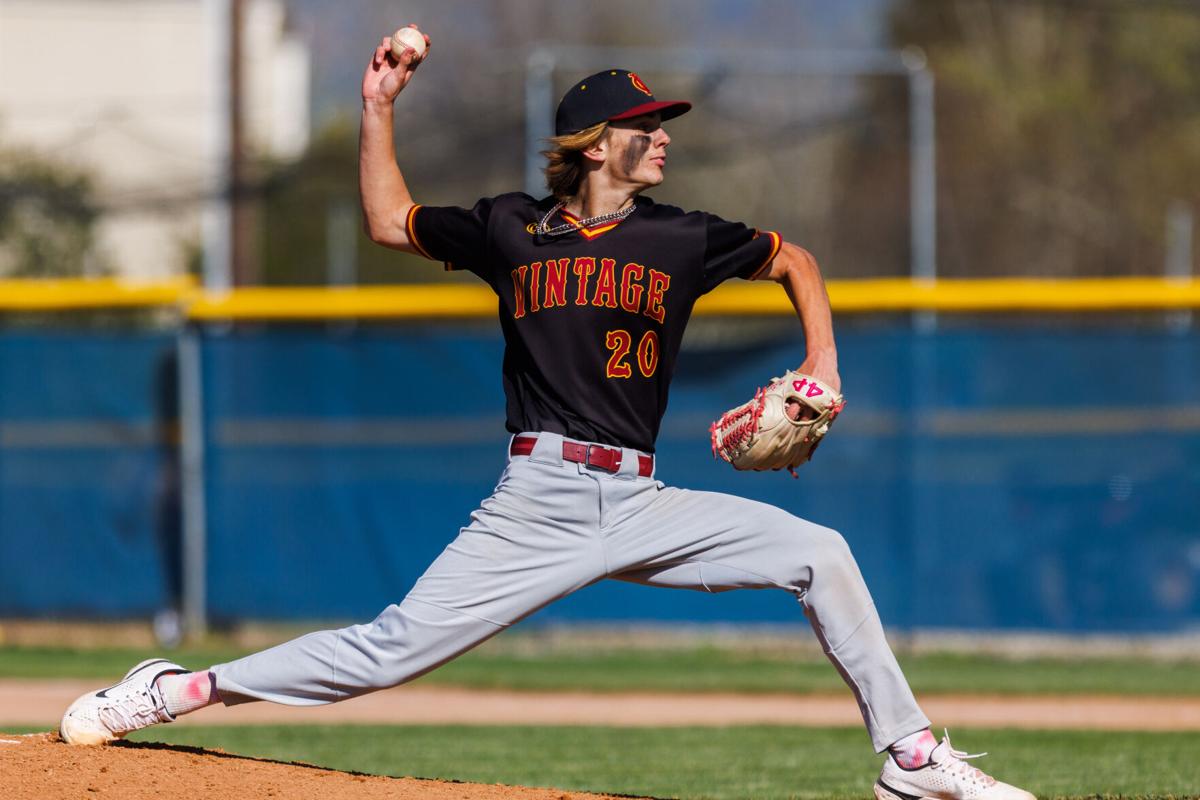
637, 148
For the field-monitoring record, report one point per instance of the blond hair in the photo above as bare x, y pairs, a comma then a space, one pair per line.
564, 162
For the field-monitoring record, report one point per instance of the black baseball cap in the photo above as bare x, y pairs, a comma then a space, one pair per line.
610, 95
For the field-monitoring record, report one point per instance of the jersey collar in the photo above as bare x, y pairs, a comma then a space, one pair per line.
589, 233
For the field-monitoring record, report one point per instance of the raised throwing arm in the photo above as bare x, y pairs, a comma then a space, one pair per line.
384, 195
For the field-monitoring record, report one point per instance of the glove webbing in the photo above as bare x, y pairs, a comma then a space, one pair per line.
738, 431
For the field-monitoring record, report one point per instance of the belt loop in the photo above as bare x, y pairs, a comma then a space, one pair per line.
629, 463
548, 449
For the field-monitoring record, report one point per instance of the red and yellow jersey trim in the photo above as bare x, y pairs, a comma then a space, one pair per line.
588, 233
776, 246
411, 231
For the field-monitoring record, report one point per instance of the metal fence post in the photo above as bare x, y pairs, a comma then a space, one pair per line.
922, 178
191, 427
1178, 262
539, 124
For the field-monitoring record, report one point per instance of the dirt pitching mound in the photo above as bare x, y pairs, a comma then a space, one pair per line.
41, 766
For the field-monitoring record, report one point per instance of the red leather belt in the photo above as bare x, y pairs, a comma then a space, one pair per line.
594, 455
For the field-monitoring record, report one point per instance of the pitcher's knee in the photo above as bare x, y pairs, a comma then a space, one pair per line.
821, 556
834, 544
834, 567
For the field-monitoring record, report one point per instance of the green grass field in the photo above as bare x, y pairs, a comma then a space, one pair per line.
759, 762
717, 763
699, 669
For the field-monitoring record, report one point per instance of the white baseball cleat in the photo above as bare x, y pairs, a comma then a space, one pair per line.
130, 705
947, 776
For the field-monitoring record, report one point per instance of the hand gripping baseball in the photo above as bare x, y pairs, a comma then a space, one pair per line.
781, 427
386, 75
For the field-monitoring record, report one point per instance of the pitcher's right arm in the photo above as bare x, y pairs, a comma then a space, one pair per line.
385, 199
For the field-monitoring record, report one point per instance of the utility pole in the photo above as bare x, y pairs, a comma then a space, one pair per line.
243, 247
217, 217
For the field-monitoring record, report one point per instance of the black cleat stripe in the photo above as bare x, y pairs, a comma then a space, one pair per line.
899, 793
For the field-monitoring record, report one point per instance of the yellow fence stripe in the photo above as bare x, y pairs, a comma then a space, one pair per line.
955, 295
364, 302
431, 301
1015, 294
91, 293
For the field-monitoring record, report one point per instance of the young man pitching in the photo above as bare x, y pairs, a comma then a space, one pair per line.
595, 284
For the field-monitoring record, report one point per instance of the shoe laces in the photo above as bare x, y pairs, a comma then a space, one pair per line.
134, 712
955, 763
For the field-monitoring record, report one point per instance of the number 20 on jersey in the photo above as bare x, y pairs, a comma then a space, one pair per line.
619, 343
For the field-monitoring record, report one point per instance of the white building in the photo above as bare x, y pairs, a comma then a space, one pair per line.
133, 92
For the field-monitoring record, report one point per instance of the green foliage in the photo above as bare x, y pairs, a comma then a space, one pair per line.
47, 218
1065, 130
300, 202
740, 762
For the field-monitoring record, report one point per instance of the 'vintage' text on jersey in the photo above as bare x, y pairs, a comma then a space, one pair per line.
592, 319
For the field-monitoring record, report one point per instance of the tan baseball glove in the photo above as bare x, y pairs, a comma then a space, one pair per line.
781, 427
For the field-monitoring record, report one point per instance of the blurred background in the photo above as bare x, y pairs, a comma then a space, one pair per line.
172, 448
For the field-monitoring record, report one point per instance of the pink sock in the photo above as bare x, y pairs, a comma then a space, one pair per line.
188, 691
913, 750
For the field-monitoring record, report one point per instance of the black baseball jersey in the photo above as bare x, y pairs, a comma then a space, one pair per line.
592, 319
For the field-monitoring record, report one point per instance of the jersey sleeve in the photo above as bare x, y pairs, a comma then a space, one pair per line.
733, 250
458, 237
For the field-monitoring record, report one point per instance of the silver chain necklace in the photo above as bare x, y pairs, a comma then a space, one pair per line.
568, 227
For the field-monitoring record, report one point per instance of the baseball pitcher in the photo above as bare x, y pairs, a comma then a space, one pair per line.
595, 284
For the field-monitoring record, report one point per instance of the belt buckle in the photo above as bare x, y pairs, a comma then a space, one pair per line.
603, 458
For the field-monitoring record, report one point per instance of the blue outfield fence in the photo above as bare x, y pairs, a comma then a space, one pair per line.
88, 484
985, 479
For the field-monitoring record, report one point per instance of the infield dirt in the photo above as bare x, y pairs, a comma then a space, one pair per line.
41, 766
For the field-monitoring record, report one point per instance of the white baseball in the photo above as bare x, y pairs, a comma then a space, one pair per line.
408, 37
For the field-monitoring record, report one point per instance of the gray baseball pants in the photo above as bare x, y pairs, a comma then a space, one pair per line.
552, 527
